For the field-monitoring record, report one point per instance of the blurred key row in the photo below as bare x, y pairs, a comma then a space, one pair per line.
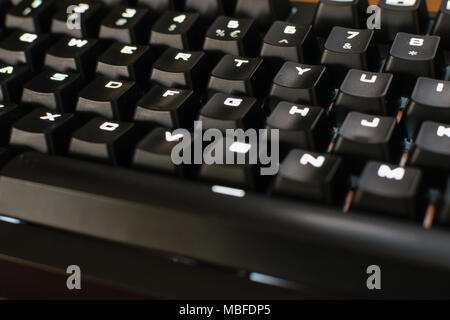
130, 20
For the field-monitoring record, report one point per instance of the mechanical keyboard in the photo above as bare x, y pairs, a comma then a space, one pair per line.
340, 159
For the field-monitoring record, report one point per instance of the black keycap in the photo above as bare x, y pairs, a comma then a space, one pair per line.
233, 36
54, 90
12, 78
367, 136
124, 61
364, 91
30, 15
243, 173
154, 152
209, 9
223, 112
186, 69
412, 56
430, 100
301, 83
288, 42
179, 30
112, 99
44, 131
346, 14
125, 24
445, 212
9, 113
73, 54
168, 107
442, 25
401, 16
80, 19
263, 11
301, 126
309, 175
303, 14
24, 47
159, 6
432, 146
388, 189
238, 75
349, 49
105, 141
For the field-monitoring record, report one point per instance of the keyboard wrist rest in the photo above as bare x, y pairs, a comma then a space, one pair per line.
290, 240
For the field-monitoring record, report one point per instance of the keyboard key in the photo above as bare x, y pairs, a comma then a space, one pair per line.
263, 11
53, 90
168, 107
44, 131
79, 19
309, 175
12, 78
9, 113
129, 25
301, 83
332, 13
24, 47
112, 99
187, 69
209, 9
303, 13
401, 16
388, 189
242, 174
430, 100
300, 126
223, 112
179, 30
30, 15
288, 42
442, 25
233, 36
350, 49
73, 55
159, 6
432, 146
412, 56
105, 141
154, 152
238, 75
364, 91
122, 61
369, 137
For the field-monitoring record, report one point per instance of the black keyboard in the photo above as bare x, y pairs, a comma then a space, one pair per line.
97, 96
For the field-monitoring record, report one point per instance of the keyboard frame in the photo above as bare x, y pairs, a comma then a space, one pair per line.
316, 246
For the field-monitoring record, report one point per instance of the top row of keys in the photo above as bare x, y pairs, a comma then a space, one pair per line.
89, 18
81, 18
